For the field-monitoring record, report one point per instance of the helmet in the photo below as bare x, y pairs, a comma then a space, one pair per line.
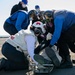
48, 13
31, 12
25, 1
37, 6
40, 27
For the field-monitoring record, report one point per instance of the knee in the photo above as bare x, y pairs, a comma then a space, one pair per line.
4, 49
73, 50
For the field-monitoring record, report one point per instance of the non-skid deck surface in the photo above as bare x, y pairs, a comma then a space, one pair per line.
70, 71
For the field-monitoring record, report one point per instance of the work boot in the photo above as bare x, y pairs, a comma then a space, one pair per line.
41, 60
2, 63
67, 63
51, 54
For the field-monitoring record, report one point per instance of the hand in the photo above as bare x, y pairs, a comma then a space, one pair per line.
37, 49
41, 46
50, 45
48, 36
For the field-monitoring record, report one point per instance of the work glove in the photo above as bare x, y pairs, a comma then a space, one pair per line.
50, 45
41, 46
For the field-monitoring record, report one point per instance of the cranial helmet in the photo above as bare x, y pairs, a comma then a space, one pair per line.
37, 6
48, 13
40, 27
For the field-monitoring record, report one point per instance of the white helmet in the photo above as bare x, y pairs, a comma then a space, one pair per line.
40, 25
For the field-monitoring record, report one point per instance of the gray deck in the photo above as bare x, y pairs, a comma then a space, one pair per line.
70, 71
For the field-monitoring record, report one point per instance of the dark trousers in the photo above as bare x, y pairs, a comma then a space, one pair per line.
15, 60
9, 28
66, 42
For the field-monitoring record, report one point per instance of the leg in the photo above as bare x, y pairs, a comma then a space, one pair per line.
72, 46
63, 49
64, 52
70, 38
9, 65
15, 59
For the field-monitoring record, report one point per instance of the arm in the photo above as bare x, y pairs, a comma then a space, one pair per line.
58, 22
20, 19
41, 46
30, 40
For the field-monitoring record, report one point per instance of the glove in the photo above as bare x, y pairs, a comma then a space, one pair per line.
50, 45
37, 49
41, 46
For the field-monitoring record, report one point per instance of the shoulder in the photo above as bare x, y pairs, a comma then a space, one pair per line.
23, 11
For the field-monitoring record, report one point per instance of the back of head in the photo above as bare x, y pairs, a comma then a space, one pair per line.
21, 8
32, 12
48, 13
18, 6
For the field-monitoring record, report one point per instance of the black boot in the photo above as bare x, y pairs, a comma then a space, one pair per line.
66, 63
51, 54
41, 60
2, 61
